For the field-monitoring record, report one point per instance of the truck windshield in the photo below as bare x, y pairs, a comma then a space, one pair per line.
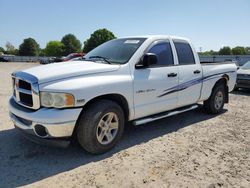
117, 51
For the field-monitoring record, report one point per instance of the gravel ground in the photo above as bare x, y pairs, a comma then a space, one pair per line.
192, 149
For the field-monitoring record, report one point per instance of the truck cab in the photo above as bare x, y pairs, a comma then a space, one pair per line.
176, 64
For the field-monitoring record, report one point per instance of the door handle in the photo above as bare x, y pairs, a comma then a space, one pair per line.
197, 72
172, 74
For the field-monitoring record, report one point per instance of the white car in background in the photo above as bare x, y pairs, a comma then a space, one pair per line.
243, 76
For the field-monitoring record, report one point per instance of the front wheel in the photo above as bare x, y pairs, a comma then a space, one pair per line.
100, 126
216, 101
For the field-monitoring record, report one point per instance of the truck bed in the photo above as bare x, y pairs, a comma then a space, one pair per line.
214, 70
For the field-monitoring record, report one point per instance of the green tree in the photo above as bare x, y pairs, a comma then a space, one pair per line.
238, 50
10, 49
97, 38
71, 44
42, 52
29, 47
2, 51
208, 53
54, 48
247, 50
226, 50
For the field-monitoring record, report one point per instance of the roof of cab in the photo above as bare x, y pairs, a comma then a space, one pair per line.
158, 37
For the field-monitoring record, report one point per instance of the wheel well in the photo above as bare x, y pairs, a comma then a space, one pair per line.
119, 99
224, 81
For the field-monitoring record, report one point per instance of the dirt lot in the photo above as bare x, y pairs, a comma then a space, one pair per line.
188, 150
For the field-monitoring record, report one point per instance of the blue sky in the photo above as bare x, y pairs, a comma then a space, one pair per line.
210, 24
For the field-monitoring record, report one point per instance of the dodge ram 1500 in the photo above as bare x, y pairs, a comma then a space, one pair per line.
132, 79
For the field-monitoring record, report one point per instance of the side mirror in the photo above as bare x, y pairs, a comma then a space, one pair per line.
147, 60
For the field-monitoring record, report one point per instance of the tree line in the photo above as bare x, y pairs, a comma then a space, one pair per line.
68, 44
226, 50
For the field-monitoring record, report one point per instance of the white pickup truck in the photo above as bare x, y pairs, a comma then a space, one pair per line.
132, 79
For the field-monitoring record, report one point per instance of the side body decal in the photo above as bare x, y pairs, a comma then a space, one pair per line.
191, 83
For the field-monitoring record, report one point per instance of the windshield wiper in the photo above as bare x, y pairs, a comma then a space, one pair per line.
100, 57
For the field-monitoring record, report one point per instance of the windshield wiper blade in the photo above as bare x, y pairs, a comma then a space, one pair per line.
100, 57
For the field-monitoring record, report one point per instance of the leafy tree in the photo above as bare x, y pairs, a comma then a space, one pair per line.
42, 52
226, 50
97, 38
2, 51
247, 50
10, 49
29, 47
208, 53
71, 44
238, 50
54, 48
16, 52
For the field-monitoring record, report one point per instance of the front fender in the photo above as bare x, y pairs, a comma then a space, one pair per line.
85, 89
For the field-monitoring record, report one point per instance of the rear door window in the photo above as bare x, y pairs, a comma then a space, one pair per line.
184, 53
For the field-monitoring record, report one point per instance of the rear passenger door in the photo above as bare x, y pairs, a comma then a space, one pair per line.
190, 74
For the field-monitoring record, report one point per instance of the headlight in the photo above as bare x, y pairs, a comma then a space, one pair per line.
57, 100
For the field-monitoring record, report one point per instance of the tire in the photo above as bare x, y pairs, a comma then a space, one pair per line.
216, 101
100, 126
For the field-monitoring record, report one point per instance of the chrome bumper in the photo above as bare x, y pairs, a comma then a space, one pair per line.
57, 122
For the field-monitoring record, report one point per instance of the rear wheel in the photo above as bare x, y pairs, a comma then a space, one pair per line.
100, 126
216, 101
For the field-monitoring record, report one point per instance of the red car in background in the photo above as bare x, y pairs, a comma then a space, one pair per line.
69, 57
62, 59
72, 56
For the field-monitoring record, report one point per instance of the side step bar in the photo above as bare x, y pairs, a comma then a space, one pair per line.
164, 115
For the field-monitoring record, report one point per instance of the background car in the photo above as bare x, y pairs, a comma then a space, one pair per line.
77, 59
69, 57
243, 76
72, 56
3, 59
47, 60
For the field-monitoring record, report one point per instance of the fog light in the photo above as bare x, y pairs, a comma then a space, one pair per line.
40, 130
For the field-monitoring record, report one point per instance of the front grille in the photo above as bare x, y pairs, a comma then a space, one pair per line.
25, 90
22, 92
24, 85
26, 99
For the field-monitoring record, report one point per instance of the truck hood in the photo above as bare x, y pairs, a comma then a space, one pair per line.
56, 71
243, 71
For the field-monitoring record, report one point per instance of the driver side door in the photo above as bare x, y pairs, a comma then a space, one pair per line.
154, 86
